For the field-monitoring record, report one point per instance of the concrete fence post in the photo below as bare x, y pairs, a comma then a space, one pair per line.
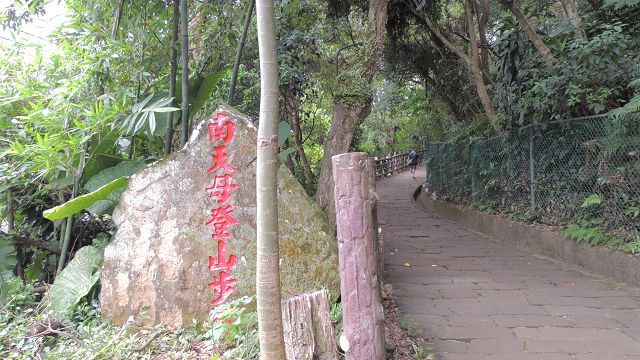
355, 202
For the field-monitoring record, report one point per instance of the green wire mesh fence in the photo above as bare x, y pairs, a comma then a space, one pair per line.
578, 171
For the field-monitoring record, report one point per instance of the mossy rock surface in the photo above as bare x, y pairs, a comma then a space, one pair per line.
156, 268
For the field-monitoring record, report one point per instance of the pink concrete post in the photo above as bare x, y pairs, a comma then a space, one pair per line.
355, 200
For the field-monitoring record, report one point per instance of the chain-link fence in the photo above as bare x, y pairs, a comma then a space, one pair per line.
578, 171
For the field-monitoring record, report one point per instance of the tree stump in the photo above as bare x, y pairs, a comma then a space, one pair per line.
355, 200
308, 331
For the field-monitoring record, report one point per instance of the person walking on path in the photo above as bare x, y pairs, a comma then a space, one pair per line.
413, 162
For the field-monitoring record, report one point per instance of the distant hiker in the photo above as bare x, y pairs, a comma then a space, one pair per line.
413, 162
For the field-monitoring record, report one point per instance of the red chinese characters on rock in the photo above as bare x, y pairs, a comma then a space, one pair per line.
221, 133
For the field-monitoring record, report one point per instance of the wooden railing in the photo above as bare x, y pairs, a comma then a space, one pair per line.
393, 164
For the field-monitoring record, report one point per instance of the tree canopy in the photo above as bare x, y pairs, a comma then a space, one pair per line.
93, 104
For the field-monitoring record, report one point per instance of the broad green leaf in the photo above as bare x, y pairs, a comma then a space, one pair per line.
74, 282
34, 271
99, 163
125, 168
286, 152
104, 177
205, 90
7, 263
82, 202
7, 256
284, 132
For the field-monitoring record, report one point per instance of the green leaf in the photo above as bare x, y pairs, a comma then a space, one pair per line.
82, 202
125, 168
34, 271
205, 90
591, 200
104, 177
284, 132
74, 282
286, 152
7, 256
7, 263
98, 163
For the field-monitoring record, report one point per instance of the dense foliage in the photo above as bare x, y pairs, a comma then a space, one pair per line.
89, 106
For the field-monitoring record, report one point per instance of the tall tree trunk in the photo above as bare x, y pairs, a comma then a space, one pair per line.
184, 32
304, 161
595, 4
570, 11
485, 99
473, 62
292, 116
347, 116
168, 140
446, 99
268, 259
527, 28
243, 39
434, 30
344, 122
483, 20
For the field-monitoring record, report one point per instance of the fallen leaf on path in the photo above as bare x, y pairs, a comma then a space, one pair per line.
407, 264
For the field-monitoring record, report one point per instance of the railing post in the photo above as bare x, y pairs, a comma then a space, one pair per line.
357, 248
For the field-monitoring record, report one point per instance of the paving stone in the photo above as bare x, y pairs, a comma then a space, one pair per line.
593, 321
458, 293
565, 333
607, 357
531, 356
512, 321
494, 346
629, 347
475, 332
451, 346
475, 298
471, 320
555, 346
454, 356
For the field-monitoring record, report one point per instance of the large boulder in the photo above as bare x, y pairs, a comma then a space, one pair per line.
157, 267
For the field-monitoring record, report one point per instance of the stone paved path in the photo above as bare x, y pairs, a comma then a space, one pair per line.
478, 299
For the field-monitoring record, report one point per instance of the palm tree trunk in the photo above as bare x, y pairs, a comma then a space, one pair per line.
268, 269
172, 77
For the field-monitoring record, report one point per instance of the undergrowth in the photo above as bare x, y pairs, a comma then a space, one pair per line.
590, 235
230, 333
